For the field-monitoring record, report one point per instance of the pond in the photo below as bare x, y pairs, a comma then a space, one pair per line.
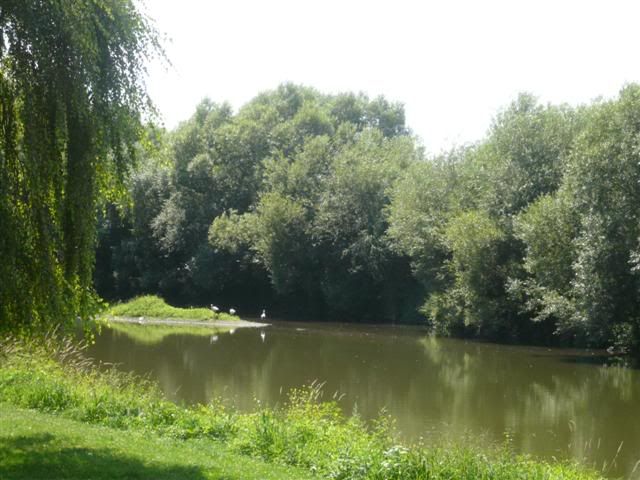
554, 404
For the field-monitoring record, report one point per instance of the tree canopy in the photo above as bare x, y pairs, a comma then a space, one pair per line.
325, 206
319, 205
71, 96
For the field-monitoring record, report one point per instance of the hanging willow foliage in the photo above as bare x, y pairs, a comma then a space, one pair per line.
71, 98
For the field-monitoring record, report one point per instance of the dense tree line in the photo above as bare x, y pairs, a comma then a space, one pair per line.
325, 206
280, 205
316, 206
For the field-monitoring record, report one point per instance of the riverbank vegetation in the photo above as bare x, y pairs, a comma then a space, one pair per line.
55, 378
35, 445
317, 206
320, 205
325, 206
155, 307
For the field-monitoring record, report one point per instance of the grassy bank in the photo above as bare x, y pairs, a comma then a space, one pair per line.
35, 445
305, 433
156, 307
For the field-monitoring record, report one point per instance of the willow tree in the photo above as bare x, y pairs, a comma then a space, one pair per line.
71, 98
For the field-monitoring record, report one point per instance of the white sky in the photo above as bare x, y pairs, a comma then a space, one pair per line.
452, 63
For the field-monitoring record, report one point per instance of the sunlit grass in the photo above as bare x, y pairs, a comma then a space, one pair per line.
35, 445
156, 307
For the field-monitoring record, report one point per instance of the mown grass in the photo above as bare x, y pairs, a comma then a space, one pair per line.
305, 432
36, 445
156, 307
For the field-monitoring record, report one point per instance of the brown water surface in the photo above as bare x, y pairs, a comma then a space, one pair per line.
558, 404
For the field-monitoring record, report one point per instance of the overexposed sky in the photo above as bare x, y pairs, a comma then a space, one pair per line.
453, 63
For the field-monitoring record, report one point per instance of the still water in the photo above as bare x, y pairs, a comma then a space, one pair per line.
550, 403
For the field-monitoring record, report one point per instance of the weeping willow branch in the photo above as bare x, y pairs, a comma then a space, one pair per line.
72, 96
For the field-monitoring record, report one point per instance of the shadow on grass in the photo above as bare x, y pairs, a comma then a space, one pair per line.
39, 456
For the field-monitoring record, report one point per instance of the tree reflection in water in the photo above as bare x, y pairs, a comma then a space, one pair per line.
550, 403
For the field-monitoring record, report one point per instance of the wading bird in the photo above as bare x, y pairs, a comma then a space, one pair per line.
214, 308
264, 315
232, 311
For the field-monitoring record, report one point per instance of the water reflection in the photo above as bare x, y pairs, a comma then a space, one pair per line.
546, 402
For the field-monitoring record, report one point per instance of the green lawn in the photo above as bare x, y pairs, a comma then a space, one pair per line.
35, 445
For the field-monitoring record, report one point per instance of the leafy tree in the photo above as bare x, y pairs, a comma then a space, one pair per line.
350, 225
423, 200
604, 177
548, 228
318, 226
477, 243
71, 93
530, 235
526, 152
580, 242
454, 217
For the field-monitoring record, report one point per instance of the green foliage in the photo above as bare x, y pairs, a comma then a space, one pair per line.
305, 432
221, 163
350, 225
490, 238
421, 203
232, 232
533, 233
327, 208
155, 307
527, 151
279, 239
256, 200
479, 266
319, 227
37, 445
547, 228
71, 93
580, 242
